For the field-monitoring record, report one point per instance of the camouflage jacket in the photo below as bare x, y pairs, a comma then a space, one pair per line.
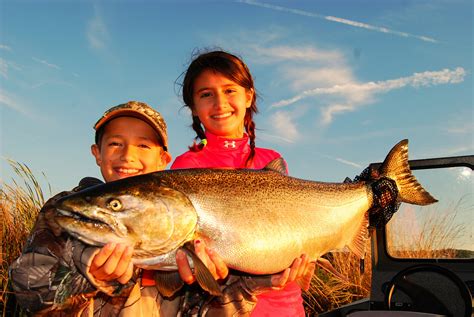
51, 277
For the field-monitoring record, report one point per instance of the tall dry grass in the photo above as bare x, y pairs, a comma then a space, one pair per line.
428, 232
19, 206
328, 292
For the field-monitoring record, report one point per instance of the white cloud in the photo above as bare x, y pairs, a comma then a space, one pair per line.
3, 68
462, 128
303, 78
97, 33
338, 20
284, 127
301, 53
5, 47
46, 63
11, 102
346, 162
353, 95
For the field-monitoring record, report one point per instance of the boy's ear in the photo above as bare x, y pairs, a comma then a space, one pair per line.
95, 150
249, 93
166, 157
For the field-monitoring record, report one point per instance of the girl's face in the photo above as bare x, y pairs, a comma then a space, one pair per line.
221, 104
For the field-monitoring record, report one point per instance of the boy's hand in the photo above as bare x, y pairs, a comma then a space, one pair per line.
211, 259
113, 262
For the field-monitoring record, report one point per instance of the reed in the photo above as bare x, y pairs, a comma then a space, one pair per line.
20, 203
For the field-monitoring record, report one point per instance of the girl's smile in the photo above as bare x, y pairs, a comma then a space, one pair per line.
221, 104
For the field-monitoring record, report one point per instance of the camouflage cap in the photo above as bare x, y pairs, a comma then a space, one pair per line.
138, 110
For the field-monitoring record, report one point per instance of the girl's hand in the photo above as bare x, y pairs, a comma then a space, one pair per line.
113, 262
301, 270
211, 259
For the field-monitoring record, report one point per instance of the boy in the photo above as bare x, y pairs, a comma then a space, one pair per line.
60, 275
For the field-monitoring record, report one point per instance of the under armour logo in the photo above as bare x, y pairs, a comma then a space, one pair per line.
228, 144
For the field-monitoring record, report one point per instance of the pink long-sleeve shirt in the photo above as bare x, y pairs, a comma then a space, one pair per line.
223, 152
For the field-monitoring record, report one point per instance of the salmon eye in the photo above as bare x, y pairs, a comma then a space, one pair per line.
115, 204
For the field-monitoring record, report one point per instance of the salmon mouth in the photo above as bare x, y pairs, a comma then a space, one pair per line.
81, 218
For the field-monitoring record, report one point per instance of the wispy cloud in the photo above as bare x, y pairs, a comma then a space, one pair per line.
97, 33
5, 67
301, 53
46, 63
338, 20
12, 102
353, 95
5, 47
460, 124
284, 121
346, 162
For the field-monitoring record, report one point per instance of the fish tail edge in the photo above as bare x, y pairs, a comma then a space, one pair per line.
397, 168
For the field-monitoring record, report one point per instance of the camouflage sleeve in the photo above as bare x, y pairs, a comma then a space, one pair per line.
51, 271
239, 297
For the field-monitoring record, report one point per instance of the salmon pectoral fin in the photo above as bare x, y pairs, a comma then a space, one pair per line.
358, 243
203, 276
168, 282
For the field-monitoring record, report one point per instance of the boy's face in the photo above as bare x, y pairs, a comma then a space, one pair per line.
129, 147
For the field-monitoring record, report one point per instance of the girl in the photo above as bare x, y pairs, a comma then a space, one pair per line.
219, 90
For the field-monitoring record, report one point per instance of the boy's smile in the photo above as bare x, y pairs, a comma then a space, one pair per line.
129, 147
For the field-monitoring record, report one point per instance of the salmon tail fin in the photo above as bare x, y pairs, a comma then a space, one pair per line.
396, 167
358, 243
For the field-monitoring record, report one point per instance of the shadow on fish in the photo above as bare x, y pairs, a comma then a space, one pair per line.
258, 221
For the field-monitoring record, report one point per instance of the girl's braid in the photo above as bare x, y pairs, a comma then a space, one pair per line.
250, 128
197, 127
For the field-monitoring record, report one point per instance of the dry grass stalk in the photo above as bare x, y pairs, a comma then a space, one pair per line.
328, 292
19, 206
434, 234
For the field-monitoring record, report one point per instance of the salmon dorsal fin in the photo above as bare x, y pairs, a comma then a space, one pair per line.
168, 282
277, 165
203, 276
357, 245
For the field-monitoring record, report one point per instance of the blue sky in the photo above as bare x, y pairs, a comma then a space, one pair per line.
340, 82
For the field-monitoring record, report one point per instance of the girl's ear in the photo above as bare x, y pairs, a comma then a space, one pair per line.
249, 94
95, 150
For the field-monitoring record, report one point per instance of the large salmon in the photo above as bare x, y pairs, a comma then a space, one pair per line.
258, 221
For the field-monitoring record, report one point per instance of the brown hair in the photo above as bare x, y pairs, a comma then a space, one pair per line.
234, 69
